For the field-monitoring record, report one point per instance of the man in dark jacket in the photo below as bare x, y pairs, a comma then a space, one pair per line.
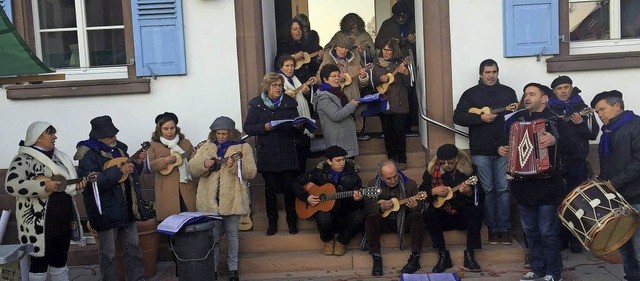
452, 169
119, 204
539, 196
486, 134
346, 217
619, 152
381, 218
567, 103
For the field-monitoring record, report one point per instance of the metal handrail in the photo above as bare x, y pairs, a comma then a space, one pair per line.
423, 115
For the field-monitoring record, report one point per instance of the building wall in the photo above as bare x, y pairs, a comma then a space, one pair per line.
476, 34
210, 89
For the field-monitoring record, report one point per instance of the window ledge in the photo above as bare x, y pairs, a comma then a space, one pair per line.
563, 63
78, 88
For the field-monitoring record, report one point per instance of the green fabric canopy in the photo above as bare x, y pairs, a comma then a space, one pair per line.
16, 58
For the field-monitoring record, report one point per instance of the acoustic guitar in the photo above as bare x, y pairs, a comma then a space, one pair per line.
328, 196
486, 110
382, 88
397, 203
585, 112
306, 58
179, 160
292, 93
347, 77
91, 177
118, 162
218, 163
438, 201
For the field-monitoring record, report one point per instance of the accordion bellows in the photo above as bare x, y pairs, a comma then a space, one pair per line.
526, 158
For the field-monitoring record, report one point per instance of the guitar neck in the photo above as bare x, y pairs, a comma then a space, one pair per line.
315, 53
340, 195
498, 110
404, 201
74, 181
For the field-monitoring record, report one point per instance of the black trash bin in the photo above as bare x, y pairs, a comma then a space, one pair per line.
193, 249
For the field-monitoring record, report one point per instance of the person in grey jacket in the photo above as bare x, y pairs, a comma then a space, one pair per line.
336, 111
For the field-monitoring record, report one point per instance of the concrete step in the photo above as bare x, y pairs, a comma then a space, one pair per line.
370, 161
376, 145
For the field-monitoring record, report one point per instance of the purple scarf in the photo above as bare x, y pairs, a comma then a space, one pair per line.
93, 143
290, 79
605, 139
567, 104
222, 147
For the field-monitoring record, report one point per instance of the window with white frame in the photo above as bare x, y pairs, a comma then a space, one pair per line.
81, 38
606, 26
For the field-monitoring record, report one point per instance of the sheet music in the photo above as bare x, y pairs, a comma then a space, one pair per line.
174, 223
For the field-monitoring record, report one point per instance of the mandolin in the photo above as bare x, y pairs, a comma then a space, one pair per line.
327, 194
585, 112
91, 177
382, 88
486, 110
346, 81
397, 203
306, 58
438, 201
292, 93
218, 163
118, 162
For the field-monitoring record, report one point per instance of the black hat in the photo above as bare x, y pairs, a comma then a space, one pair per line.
167, 116
447, 152
335, 151
604, 95
400, 8
543, 89
564, 79
102, 127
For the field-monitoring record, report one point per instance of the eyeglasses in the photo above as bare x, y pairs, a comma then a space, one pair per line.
276, 85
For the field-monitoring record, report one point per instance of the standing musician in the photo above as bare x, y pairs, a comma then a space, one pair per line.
223, 188
452, 168
539, 196
45, 208
295, 42
619, 153
347, 215
175, 190
121, 204
567, 103
394, 184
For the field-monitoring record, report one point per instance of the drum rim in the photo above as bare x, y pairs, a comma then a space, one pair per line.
635, 223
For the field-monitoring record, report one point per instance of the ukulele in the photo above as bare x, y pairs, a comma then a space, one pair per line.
347, 77
292, 93
328, 196
397, 203
91, 177
306, 58
438, 201
486, 110
118, 162
382, 88
585, 112
179, 161
218, 163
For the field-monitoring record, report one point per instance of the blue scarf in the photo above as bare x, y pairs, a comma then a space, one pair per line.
93, 143
290, 79
605, 139
567, 104
222, 147
271, 104
335, 175
47, 153
325, 87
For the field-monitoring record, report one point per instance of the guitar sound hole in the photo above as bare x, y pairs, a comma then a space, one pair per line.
322, 197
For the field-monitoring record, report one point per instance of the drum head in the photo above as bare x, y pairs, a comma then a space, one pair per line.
614, 234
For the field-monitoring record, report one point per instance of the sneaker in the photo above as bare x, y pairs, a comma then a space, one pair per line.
340, 249
494, 237
527, 259
328, 248
551, 278
505, 238
363, 137
531, 276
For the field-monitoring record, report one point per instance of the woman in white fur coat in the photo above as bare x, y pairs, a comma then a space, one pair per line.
46, 213
223, 184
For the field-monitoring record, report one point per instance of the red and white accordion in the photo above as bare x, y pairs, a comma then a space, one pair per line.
526, 158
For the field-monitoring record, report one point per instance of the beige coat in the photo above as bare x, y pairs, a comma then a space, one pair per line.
166, 187
221, 192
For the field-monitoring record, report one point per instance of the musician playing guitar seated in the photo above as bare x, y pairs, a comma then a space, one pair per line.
347, 216
452, 169
394, 184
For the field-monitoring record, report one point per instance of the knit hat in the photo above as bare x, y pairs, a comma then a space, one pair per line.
165, 117
102, 127
447, 152
34, 132
604, 95
335, 151
342, 40
561, 80
222, 123
400, 8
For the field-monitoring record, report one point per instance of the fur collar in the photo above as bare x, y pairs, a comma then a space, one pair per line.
464, 165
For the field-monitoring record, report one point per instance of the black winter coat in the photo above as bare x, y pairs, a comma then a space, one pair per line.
290, 47
276, 150
118, 208
484, 138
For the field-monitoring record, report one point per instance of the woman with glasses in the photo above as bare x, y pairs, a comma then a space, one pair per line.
276, 150
397, 94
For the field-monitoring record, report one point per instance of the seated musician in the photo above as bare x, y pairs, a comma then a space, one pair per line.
452, 168
346, 217
394, 184
539, 196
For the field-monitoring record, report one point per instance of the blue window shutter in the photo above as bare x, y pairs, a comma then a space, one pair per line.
158, 37
6, 6
531, 27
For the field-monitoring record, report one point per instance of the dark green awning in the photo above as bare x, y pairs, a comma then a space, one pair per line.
16, 58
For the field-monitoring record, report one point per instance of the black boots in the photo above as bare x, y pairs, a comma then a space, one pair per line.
444, 262
470, 261
413, 264
233, 275
292, 222
377, 266
273, 227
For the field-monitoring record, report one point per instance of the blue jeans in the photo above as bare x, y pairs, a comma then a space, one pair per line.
128, 236
227, 225
541, 227
492, 174
630, 252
